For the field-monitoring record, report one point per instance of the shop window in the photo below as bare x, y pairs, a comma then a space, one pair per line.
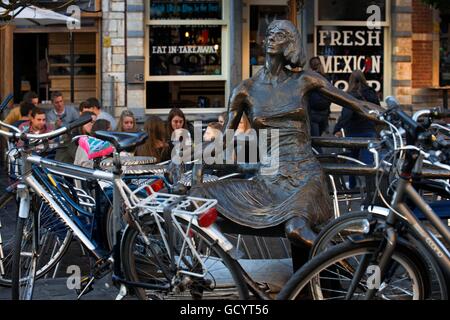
183, 10
185, 50
185, 94
344, 49
348, 10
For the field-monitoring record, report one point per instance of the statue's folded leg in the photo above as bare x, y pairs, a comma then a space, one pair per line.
299, 233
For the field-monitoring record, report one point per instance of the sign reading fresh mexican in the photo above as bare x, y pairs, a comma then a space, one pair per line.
343, 49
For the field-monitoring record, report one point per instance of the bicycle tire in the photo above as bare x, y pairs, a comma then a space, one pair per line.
222, 262
351, 223
305, 282
17, 292
357, 223
55, 239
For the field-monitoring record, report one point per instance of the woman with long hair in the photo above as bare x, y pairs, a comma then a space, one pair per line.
354, 124
176, 120
156, 144
127, 122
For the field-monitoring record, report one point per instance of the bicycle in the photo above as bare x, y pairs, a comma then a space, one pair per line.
394, 247
44, 189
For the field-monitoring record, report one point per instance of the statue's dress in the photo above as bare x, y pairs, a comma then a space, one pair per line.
295, 186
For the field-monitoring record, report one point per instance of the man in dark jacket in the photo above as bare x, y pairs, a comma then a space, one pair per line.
355, 125
319, 106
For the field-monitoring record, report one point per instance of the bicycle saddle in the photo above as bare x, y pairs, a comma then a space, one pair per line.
122, 141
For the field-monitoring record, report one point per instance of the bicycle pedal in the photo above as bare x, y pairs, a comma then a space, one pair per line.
86, 286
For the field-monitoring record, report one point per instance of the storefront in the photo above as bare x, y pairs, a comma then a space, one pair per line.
198, 51
53, 58
350, 36
187, 55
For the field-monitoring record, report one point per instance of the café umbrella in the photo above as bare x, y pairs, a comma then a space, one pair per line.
34, 16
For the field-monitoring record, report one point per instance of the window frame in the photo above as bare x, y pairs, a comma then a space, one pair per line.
225, 58
386, 26
355, 23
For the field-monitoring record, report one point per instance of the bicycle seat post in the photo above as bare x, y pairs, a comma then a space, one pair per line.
197, 173
117, 171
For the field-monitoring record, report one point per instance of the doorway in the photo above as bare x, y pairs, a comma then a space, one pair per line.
30, 65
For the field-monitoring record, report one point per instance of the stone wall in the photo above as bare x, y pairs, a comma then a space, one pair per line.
113, 56
136, 52
414, 56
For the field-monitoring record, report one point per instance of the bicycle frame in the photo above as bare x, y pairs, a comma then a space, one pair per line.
28, 180
405, 190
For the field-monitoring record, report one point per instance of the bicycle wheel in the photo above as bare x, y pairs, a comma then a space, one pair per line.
24, 260
210, 274
338, 230
328, 276
39, 243
358, 223
54, 238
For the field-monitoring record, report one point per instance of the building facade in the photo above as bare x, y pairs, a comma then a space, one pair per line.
152, 55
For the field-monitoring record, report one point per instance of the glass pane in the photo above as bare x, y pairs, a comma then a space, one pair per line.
192, 9
444, 70
345, 49
185, 94
349, 10
185, 50
260, 18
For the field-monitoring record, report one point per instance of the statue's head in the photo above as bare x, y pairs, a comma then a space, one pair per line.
283, 37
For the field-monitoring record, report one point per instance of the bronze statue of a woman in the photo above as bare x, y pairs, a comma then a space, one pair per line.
276, 98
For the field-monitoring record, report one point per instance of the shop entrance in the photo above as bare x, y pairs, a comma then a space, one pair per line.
30, 65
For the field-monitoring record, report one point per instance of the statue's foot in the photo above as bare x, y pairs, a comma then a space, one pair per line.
299, 232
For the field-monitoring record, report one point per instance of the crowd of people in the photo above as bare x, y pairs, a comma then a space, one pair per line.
28, 117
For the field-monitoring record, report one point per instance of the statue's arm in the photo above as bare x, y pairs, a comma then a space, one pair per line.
316, 81
237, 105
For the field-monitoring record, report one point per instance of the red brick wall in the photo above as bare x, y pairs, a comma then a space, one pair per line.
422, 18
422, 51
422, 64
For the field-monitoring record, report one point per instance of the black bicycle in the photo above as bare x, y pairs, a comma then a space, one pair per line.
396, 257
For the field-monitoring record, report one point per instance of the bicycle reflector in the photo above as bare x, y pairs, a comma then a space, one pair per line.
155, 186
208, 218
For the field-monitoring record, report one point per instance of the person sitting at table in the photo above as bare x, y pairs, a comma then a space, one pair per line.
156, 144
61, 115
25, 113
127, 122
89, 147
101, 114
14, 115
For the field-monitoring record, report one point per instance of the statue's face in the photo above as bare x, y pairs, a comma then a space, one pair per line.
276, 40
